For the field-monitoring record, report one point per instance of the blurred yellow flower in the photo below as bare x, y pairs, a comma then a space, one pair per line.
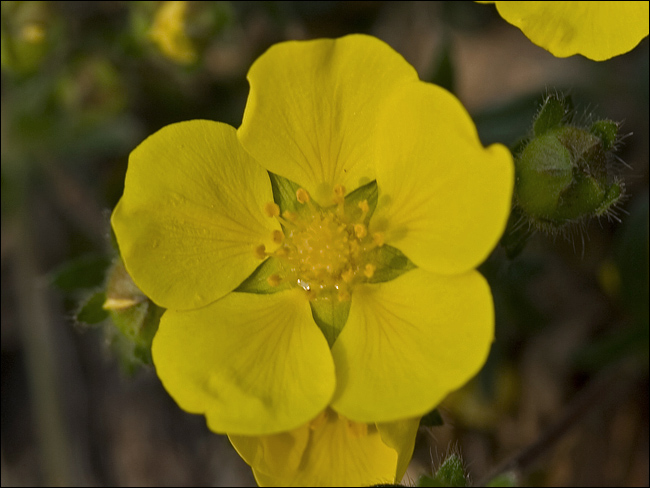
597, 30
379, 164
168, 32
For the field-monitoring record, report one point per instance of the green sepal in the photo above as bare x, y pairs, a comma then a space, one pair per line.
428, 482
391, 263
432, 419
330, 314
552, 115
91, 310
284, 194
257, 282
452, 473
606, 131
366, 192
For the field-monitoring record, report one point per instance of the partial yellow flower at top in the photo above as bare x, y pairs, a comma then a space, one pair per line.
597, 30
358, 201
168, 32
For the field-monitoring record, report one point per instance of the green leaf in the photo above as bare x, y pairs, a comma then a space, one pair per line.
92, 311
508, 479
452, 473
444, 75
330, 314
390, 263
88, 271
432, 419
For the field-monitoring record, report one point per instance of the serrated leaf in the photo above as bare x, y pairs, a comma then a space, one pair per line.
84, 272
92, 311
330, 314
432, 419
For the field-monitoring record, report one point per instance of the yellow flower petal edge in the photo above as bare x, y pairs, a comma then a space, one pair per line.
409, 342
597, 30
330, 451
253, 364
311, 112
444, 199
400, 436
192, 214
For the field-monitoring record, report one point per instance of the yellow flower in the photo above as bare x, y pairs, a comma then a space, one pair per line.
597, 30
378, 164
168, 32
331, 451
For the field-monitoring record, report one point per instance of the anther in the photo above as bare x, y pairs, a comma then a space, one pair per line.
278, 236
272, 209
260, 251
365, 208
378, 239
343, 295
302, 196
360, 231
274, 280
369, 270
347, 275
339, 194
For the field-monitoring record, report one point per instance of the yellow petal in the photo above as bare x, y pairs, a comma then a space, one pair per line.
253, 364
312, 109
400, 436
338, 452
409, 342
443, 199
192, 214
597, 30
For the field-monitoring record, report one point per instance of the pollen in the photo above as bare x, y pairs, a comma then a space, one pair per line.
323, 250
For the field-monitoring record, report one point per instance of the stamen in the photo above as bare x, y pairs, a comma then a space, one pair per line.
360, 231
347, 275
339, 195
272, 209
343, 295
369, 270
302, 196
365, 208
278, 236
274, 280
260, 252
378, 238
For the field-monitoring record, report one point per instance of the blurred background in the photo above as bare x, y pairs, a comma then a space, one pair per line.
564, 395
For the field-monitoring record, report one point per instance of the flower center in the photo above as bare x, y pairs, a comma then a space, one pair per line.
323, 251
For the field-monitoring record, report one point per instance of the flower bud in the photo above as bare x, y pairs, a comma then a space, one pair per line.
564, 173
